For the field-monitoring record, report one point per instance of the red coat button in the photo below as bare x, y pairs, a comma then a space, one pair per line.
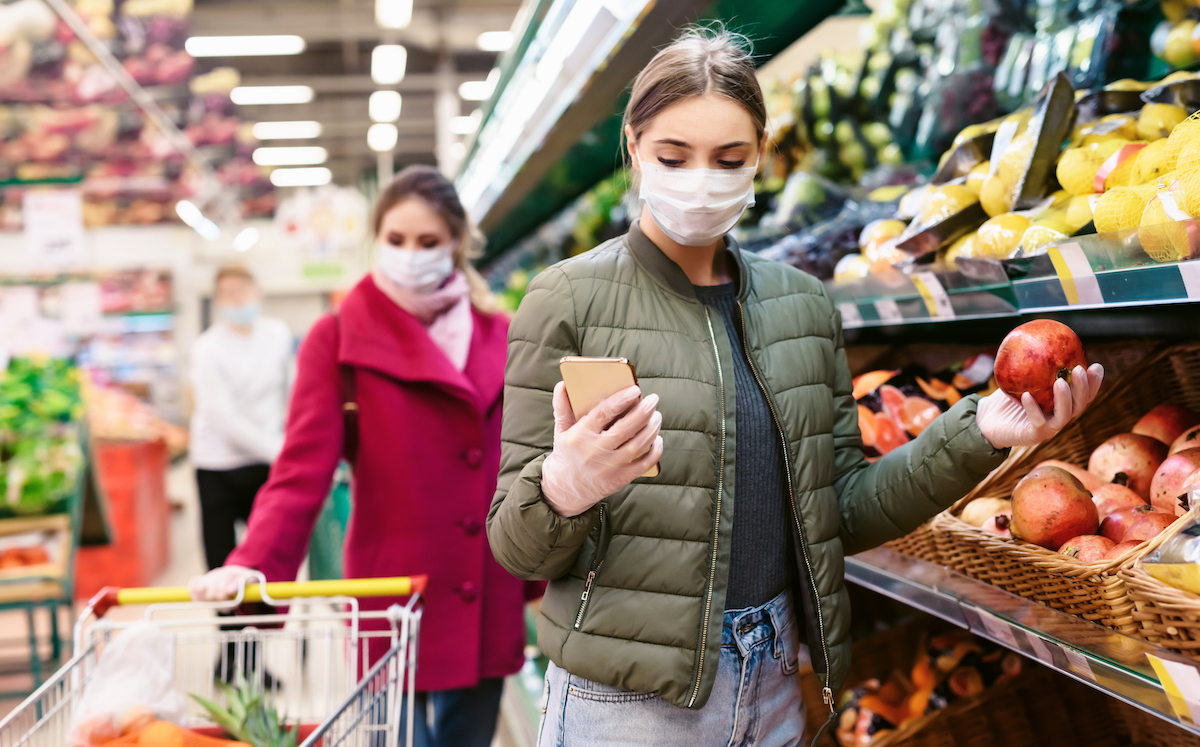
468, 592
474, 458
471, 526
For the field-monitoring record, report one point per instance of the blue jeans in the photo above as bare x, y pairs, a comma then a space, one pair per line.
755, 700
460, 718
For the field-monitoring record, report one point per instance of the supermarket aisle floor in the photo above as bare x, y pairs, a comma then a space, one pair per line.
186, 560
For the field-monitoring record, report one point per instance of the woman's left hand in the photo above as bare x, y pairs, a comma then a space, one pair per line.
1006, 421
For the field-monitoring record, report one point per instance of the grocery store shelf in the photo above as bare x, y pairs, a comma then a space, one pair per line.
512, 182
1108, 661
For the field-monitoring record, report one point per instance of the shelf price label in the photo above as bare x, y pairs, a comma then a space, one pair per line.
1181, 683
1190, 272
1078, 662
934, 295
1075, 274
888, 311
851, 317
998, 629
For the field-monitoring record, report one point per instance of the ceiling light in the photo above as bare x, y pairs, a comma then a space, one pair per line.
475, 90
387, 64
255, 95
243, 46
464, 125
382, 137
495, 41
458, 151
245, 239
393, 14
384, 106
188, 213
286, 130
299, 156
311, 177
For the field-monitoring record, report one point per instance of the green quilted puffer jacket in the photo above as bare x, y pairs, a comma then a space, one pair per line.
637, 583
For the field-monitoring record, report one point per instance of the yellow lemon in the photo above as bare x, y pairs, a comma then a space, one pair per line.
946, 201
999, 236
1157, 120
996, 195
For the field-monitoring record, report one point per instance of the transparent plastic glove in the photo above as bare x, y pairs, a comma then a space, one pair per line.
591, 462
219, 584
1006, 421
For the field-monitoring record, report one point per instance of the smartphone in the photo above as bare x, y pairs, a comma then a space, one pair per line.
590, 381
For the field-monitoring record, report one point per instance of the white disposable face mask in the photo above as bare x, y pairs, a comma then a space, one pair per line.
418, 270
696, 206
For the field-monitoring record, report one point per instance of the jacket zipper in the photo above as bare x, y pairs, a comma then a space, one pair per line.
826, 692
593, 569
712, 571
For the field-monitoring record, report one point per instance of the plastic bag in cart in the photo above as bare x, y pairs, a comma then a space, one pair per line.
133, 684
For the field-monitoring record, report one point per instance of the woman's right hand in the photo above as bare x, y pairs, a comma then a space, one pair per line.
592, 459
219, 584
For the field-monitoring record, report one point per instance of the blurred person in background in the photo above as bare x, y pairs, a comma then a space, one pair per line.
418, 348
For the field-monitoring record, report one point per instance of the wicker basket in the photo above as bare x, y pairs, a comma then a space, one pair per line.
1093, 591
1166, 616
1141, 728
918, 543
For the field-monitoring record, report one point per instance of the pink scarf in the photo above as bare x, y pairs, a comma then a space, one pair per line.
445, 313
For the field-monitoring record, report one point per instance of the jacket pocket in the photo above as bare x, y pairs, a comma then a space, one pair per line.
594, 567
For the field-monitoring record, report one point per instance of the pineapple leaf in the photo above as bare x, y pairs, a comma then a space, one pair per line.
223, 718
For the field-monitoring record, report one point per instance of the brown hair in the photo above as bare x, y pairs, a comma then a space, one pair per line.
704, 59
232, 272
428, 184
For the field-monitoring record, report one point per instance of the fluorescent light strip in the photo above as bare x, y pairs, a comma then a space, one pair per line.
294, 156
286, 130
382, 137
243, 46
495, 41
246, 238
261, 95
310, 177
388, 62
463, 125
393, 14
384, 106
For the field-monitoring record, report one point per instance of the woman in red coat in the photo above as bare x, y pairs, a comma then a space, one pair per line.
426, 350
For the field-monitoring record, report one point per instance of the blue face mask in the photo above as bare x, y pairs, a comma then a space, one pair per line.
240, 316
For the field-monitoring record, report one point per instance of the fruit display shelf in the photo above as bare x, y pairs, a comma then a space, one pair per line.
1107, 271
1115, 664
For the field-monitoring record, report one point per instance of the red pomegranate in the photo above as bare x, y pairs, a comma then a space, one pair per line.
999, 524
1090, 481
1087, 548
1148, 527
1116, 524
1120, 549
1166, 423
1111, 496
1189, 439
1036, 354
1167, 488
1130, 460
1050, 507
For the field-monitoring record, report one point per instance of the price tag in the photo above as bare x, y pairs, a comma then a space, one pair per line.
850, 315
888, 311
1078, 662
1181, 683
998, 629
934, 294
1075, 273
1040, 649
1190, 272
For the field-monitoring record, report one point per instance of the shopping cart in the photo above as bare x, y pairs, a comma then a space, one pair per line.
318, 655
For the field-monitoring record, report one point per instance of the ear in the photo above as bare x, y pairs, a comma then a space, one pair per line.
631, 147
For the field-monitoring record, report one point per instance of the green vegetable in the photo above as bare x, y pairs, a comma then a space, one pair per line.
248, 718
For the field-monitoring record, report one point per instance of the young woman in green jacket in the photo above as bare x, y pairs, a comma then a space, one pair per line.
677, 603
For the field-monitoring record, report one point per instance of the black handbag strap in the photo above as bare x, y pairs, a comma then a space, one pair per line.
349, 404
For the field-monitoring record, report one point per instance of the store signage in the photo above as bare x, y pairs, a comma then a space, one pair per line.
54, 227
851, 317
1075, 274
1181, 683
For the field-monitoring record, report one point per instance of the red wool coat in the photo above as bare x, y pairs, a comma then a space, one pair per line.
429, 451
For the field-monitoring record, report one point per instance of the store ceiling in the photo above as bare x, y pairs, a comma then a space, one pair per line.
336, 62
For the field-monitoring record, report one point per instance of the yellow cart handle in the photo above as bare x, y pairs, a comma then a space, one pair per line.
400, 586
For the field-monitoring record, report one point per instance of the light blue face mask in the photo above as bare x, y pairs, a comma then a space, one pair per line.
240, 316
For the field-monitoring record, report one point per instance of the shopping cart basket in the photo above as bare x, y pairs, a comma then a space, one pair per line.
318, 655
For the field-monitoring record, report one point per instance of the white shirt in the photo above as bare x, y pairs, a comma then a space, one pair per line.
240, 383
